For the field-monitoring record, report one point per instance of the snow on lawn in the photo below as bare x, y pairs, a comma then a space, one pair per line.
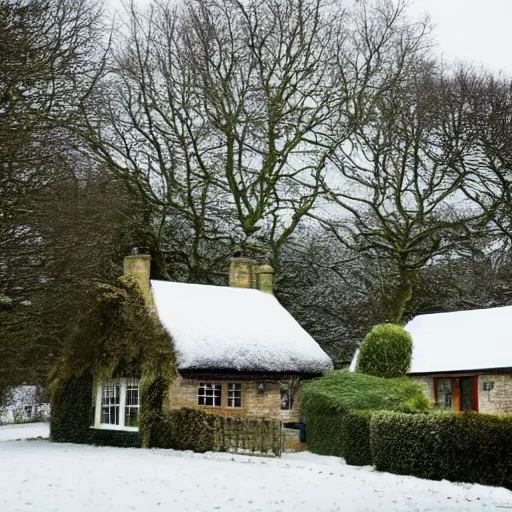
43, 477
24, 431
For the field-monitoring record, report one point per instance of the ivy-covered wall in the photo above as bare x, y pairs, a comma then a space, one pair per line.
117, 336
72, 415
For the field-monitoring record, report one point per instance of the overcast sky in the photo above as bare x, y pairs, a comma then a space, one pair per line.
473, 30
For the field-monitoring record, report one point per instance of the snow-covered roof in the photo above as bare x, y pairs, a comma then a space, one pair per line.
218, 327
462, 340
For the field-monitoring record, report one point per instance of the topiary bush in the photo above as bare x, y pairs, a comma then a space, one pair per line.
386, 351
469, 447
355, 433
325, 402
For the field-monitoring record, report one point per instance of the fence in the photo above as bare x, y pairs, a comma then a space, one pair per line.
248, 435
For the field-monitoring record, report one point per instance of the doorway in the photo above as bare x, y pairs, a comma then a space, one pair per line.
467, 394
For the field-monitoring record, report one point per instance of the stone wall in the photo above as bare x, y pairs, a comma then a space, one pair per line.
427, 384
497, 400
183, 393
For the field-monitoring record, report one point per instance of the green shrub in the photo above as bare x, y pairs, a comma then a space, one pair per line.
325, 401
467, 447
415, 405
70, 417
355, 432
185, 429
386, 351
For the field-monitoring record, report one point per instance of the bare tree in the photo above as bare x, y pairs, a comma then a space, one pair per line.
48, 52
398, 194
481, 107
224, 113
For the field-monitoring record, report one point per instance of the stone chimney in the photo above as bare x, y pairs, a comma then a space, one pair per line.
241, 272
265, 278
246, 273
137, 266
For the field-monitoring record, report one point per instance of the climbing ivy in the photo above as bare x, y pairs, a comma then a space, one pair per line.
117, 336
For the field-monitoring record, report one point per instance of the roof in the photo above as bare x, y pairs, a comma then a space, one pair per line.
228, 328
463, 340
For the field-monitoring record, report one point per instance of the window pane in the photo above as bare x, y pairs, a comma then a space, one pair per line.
444, 392
132, 396
234, 395
286, 403
209, 394
110, 398
132, 403
110, 415
131, 416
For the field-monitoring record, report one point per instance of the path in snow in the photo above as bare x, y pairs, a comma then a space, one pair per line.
43, 477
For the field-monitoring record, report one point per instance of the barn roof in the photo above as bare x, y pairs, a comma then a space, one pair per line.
228, 328
463, 340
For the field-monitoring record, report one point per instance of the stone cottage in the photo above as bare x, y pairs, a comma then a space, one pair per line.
239, 352
463, 359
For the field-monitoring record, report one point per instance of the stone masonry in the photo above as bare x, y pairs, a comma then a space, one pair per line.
183, 393
497, 400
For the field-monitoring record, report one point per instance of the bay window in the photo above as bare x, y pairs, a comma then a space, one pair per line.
117, 404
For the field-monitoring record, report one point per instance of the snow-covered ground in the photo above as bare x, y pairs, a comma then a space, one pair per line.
24, 431
43, 477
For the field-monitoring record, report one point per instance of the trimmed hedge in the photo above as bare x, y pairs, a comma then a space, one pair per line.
325, 402
386, 351
467, 447
185, 429
70, 416
355, 432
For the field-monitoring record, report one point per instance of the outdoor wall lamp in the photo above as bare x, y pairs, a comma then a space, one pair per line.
260, 387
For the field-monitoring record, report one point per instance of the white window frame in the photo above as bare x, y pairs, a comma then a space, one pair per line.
123, 384
213, 386
232, 398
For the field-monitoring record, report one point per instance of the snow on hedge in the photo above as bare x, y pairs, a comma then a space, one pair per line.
218, 327
462, 340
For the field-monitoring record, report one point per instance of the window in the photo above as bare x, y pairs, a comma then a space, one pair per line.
286, 398
234, 395
131, 408
110, 402
118, 404
209, 394
444, 393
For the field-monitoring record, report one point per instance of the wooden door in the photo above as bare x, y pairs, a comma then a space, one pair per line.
467, 394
